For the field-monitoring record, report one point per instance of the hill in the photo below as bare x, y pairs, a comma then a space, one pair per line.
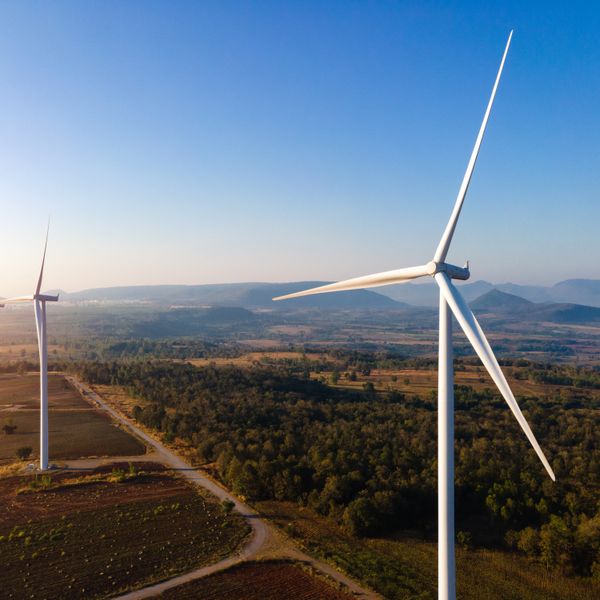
573, 291
520, 309
497, 301
246, 295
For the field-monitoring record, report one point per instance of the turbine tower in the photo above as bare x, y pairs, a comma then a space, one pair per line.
39, 304
451, 302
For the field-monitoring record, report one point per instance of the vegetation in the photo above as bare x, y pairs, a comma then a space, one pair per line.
366, 459
24, 452
96, 538
9, 428
403, 566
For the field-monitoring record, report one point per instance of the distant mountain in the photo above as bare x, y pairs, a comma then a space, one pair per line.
497, 301
576, 291
246, 295
252, 295
520, 309
580, 291
567, 313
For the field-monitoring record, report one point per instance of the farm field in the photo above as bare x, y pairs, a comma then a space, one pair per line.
15, 352
405, 567
268, 580
110, 530
76, 428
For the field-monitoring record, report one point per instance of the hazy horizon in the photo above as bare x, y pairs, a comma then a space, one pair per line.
381, 290
222, 142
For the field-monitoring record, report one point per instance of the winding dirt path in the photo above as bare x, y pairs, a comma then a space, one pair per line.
262, 533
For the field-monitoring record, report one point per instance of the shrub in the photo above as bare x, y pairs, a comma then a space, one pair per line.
9, 428
227, 505
24, 452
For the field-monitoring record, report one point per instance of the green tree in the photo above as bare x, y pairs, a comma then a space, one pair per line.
360, 517
24, 452
555, 543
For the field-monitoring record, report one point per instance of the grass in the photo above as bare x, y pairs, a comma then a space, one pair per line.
405, 567
76, 428
98, 538
268, 580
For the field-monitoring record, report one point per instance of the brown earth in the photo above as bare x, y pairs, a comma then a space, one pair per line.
76, 427
269, 580
88, 495
96, 539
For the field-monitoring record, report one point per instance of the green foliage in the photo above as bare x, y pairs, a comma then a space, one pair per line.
40, 483
361, 517
368, 462
227, 505
24, 452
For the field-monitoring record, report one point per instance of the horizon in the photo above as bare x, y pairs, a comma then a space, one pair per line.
418, 282
178, 144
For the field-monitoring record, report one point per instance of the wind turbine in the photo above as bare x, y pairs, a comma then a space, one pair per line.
451, 301
39, 304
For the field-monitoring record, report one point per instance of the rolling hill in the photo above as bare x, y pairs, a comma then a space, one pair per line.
519, 309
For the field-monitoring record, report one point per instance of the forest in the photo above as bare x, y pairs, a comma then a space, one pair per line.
367, 459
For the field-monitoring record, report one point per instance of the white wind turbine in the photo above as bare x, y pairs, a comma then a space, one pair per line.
451, 301
39, 304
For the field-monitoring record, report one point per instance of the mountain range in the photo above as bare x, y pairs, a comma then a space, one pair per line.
247, 295
513, 307
578, 291
572, 301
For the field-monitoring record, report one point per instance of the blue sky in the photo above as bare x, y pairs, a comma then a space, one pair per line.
199, 142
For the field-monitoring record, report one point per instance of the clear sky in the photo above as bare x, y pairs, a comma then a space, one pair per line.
200, 142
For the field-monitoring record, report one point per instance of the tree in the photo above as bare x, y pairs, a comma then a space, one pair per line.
361, 517
24, 452
555, 543
227, 506
529, 541
9, 428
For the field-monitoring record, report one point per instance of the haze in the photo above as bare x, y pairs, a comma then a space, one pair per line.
229, 142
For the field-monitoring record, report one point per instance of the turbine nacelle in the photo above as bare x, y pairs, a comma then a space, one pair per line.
46, 298
452, 271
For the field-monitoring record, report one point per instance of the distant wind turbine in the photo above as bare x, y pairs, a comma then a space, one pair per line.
39, 304
451, 301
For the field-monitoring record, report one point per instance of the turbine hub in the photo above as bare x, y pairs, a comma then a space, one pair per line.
452, 271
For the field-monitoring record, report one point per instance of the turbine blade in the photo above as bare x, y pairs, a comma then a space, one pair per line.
475, 335
17, 300
39, 283
444, 245
368, 281
39, 327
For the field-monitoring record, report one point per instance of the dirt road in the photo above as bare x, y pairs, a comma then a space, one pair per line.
261, 531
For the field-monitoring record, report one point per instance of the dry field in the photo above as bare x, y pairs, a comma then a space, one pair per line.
76, 428
14, 352
423, 382
252, 358
268, 580
95, 534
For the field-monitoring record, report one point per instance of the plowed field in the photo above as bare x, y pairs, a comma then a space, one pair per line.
269, 580
84, 538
